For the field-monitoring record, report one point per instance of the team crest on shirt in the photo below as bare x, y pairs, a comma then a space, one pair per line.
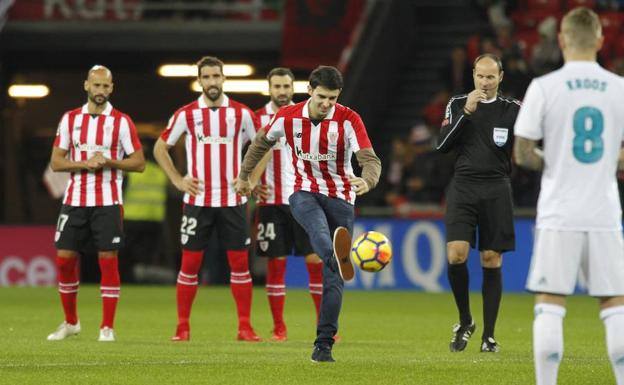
500, 136
333, 137
184, 239
264, 245
230, 120
108, 129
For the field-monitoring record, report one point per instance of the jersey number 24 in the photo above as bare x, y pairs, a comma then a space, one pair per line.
588, 145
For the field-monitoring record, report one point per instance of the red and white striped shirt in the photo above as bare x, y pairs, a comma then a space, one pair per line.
321, 153
214, 141
113, 134
279, 174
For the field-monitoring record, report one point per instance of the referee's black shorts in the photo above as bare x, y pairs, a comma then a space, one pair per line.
486, 207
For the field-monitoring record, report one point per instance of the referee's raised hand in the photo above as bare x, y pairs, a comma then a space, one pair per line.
473, 99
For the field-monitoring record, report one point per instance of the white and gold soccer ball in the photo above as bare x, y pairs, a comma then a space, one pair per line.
371, 251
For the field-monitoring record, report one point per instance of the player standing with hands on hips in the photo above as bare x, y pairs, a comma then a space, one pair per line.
577, 112
479, 127
322, 136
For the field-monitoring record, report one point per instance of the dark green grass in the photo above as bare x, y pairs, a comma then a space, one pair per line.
387, 338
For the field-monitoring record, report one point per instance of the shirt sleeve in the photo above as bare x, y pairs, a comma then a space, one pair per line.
275, 127
175, 128
357, 135
62, 139
249, 125
454, 119
529, 122
128, 136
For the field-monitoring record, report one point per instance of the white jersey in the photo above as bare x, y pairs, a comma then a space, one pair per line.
113, 134
577, 111
215, 138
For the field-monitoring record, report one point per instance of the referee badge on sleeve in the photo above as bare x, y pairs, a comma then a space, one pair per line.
500, 136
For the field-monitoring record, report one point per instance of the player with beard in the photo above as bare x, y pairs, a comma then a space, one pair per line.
278, 232
216, 129
91, 144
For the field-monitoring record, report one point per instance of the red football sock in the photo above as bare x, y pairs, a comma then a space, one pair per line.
276, 289
186, 287
68, 283
109, 289
315, 272
240, 283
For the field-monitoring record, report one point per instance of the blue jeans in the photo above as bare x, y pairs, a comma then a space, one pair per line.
320, 215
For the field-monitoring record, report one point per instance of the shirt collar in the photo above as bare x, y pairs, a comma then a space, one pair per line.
490, 100
268, 108
107, 110
306, 113
202, 103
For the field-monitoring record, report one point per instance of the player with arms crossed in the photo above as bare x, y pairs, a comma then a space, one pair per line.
577, 112
216, 129
322, 136
278, 232
91, 143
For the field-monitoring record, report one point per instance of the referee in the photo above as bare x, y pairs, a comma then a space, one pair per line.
479, 127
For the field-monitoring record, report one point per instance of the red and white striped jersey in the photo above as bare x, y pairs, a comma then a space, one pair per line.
214, 140
113, 134
321, 153
279, 174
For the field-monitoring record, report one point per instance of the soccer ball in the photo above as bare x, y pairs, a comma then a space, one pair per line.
371, 251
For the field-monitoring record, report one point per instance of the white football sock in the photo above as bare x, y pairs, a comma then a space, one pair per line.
613, 319
547, 342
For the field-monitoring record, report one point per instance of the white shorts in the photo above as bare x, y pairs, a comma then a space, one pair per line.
560, 257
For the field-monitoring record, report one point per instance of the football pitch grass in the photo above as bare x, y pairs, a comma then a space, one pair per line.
388, 337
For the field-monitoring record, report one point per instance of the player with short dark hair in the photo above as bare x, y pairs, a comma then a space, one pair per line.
91, 143
278, 233
216, 129
576, 111
479, 127
322, 136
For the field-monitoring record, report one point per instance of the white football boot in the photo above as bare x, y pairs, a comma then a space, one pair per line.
106, 335
64, 330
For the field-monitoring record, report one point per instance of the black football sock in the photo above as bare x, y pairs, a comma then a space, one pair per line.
459, 280
492, 291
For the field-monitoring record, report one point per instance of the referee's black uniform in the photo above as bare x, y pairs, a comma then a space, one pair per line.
479, 199
480, 193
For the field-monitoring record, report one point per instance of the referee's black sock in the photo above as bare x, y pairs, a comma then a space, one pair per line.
458, 278
492, 291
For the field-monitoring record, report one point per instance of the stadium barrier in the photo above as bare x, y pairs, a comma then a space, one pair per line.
419, 261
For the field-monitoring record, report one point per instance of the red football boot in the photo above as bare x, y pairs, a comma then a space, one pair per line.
183, 334
248, 335
337, 338
279, 334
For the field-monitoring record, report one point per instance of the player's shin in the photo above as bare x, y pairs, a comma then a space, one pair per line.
68, 283
276, 292
241, 285
613, 318
547, 342
315, 273
186, 287
109, 289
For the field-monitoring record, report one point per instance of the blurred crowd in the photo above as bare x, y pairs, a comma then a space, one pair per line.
523, 34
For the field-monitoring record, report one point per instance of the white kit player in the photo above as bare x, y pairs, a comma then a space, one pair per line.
577, 112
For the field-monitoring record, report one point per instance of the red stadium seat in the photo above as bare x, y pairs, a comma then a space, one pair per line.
611, 22
531, 19
580, 3
617, 47
544, 5
472, 47
526, 42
